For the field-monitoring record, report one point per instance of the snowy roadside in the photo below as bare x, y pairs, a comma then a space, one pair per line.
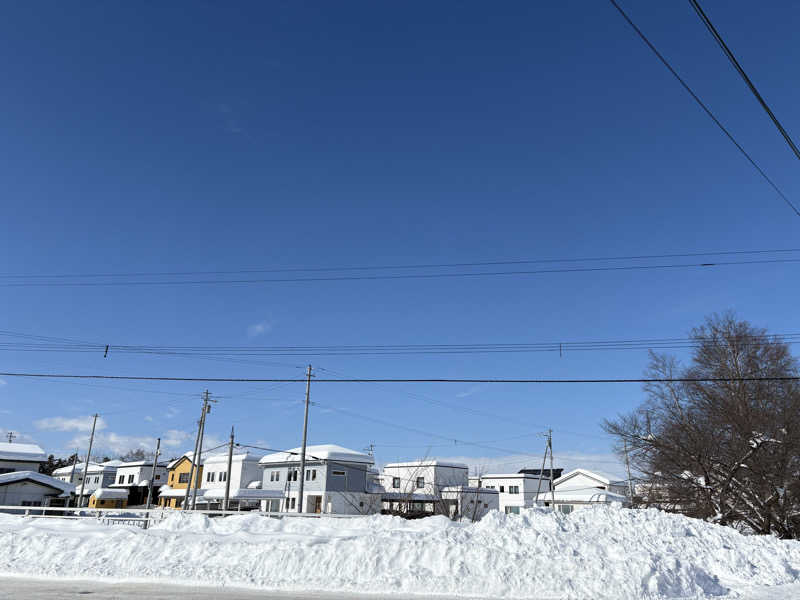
597, 553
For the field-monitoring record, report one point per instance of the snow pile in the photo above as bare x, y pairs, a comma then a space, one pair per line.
603, 552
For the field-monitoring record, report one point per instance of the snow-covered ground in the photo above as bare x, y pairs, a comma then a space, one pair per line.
604, 552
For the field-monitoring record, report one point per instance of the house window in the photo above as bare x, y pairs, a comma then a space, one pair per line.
223, 476
311, 474
420, 482
340, 473
292, 475
171, 477
396, 482
275, 476
97, 479
158, 476
513, 489
489, 487
512, 510
294, 501
183, 478
121, 479
210, 476
565, 508
502, 489
30, 503
130, 478
485, 505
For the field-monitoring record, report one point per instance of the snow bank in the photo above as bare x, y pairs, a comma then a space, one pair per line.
603, 552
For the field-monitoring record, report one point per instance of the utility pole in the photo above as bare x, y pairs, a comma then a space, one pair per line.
552, 489
153, 473
86, 464
72, 472
228, 476
305, 437
10, 435
541, 471
628, 468
193, 473
206, 410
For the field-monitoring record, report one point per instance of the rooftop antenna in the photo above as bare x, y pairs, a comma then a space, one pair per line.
10, 435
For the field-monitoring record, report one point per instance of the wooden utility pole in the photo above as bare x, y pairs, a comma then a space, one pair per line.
72, 472
194, 454
552, 479
206, 410
628, 468
541, 472
86, 464
305, 438
228, 475
153, 473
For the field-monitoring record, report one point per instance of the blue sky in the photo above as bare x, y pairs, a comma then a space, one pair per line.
196, 136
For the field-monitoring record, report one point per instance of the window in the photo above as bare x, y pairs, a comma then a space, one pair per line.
275, 476
512, 510
485, 505
287, 504
502, 489
294, 500
513, 489
97, 479
171, 477
396, 482
292, 475
121, 479
420, 482
130, 478
489, 487
361, 504
183, 478
340, 473
223, 476
30, 503
565, 508
210, 476
311, 474
158, 476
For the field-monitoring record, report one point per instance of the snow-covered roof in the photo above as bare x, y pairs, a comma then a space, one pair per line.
469, 489
254, 485
330, 452
170, 492
427, 463
110, 493
603, 478
241, 456
582, 495
509, 476
410, 497
110, 465
141, 463
21, 452
188, 455
65, 488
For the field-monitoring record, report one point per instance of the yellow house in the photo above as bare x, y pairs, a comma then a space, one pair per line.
172, 494
108, 498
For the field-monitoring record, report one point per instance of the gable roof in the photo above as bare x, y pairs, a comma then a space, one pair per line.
64, 489
188, 456
22, 452
330, 452
427, 462
601, 478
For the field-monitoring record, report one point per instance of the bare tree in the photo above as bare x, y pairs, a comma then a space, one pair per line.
726, 448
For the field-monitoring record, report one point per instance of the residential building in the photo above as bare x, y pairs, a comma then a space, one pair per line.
109, 498
581, 488
427, 487
98, 475
20, 457
336, 480
172, 494
515, 490
245, 492
135, 478
31, 488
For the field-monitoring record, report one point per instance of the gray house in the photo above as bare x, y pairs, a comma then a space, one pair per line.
337, 480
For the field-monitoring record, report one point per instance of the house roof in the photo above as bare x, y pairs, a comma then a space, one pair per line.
22, 452
64, 489
110, 465
330, 452
427, 463
241, 456
603, 478
110, 493
170, 492
141, 463
582, 495
172, 464
510, 476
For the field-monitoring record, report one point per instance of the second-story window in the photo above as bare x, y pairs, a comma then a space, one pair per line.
130, 478
223, 476
183, 478
502, 489
210, 476
121, 479
396, 483
420, 482
513, 489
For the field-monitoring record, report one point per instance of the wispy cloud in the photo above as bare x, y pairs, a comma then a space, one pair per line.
171, 412
469, 391
110, 442
2, 382
69, 424
257, 329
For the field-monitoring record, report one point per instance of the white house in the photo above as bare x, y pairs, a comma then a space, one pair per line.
428, 487
337, 480
20, 457
135, 478
31, 488
581, 488
98, 475
246, 492
515, 490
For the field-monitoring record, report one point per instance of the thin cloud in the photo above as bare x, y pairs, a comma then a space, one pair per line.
69, 424
258, 329
3, 382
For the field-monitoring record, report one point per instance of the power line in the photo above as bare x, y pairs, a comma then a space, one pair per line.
704, 107
397, 380
396, 266
710, 26
399, 276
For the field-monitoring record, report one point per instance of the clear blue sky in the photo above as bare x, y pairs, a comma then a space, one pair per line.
182, 136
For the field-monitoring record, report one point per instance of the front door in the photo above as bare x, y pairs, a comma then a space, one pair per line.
317, 504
